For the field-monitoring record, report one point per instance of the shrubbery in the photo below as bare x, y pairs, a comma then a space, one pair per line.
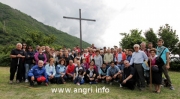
5, 59
175, 66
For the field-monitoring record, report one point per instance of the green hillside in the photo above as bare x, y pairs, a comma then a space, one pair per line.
16, 26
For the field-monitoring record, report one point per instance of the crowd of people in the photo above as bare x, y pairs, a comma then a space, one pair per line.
128, 67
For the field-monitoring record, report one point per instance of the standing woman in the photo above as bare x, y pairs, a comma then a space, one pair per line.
156, 71
17, 55
59, 57
50, 70
24, 48
40, 56
98, 60
29, 61
79, 57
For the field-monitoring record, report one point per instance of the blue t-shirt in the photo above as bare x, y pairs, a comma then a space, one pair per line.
163, 56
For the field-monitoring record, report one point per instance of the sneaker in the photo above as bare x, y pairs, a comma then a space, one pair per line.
78, 84
26, 80
172, 88
110, 83
120, 85
17, 81
10, 82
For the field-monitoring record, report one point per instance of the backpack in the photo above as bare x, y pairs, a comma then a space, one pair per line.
159, 60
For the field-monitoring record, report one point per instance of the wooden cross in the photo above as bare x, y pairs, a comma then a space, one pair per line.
80, 19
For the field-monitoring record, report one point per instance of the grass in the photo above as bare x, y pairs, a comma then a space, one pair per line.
23, 90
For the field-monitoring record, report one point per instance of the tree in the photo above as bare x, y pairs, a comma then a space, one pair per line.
38, 38
169, 36
176, 50
129, 40
151, 36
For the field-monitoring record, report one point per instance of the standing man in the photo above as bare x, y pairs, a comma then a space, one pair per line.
137, 59
129, 56
17, 56
143, 48
108, 57
165, 57
120, 57
150, 46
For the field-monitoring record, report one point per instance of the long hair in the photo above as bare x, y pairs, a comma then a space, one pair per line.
80, 71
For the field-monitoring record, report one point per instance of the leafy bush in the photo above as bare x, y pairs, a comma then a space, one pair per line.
5, 59
175, 66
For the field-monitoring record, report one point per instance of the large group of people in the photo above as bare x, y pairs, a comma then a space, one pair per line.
129, 67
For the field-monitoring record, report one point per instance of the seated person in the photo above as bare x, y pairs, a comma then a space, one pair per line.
128, 76
50, 70
92, 62
70, 70
79, 77
113, 73
38, 73
61, 72
91, 75
102, 73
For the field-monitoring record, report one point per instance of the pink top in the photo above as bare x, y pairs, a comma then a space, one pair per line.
153, 61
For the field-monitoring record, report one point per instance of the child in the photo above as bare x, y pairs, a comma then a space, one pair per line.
91, 75
102, 73
79, 78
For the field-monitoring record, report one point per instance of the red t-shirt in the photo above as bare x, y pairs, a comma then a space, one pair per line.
70, 69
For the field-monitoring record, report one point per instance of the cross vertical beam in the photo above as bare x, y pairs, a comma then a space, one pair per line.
80, 30
80, 19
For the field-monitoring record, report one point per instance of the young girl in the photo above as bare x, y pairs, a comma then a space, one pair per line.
79, 79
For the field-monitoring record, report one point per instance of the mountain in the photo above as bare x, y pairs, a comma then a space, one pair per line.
16, 26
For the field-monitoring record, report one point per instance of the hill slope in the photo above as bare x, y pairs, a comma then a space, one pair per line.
15, 26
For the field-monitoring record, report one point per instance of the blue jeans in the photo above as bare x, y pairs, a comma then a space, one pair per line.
79, 80
27, 68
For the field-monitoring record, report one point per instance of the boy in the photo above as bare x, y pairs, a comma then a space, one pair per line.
102, 73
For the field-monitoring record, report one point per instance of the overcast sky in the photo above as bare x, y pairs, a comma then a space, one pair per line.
112, 16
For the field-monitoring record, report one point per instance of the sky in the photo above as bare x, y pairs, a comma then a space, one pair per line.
112, 16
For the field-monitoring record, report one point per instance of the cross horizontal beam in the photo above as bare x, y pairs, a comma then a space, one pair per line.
78, 18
